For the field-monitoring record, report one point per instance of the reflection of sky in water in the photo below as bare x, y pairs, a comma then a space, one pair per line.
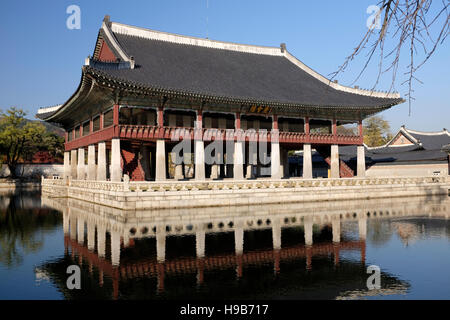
412, 253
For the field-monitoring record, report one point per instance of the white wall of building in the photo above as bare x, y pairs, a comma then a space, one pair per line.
383, 170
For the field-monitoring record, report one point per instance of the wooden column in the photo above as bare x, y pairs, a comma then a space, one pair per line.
116, 114
334, 128
307, 130
160, 172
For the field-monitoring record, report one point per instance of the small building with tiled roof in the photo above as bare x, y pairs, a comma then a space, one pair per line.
409, 152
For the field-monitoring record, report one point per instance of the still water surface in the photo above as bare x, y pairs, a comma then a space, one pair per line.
296, 251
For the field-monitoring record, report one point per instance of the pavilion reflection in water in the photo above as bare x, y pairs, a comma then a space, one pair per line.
97, 235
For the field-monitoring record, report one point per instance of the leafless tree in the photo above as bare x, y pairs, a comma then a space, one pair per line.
412, 25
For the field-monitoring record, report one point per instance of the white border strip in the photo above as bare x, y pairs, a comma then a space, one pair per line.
113, 41
175, 38
48, 109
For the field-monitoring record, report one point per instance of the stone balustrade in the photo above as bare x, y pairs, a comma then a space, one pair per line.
174, 186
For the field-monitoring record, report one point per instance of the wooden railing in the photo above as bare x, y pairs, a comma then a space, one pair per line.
179, 133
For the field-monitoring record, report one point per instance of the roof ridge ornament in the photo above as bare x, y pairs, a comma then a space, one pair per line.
107, 20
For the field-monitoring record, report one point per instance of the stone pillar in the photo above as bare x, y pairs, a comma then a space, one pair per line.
178, 170
307, 161
199, 160
199, 149
252, 159
308, 226
81, 165
66, 165
200, 242
73, 227
160, 160
336, 226
276, 234
334, 161
115, 248
362, 226
66, 221
91, 236
101, 241
116, 168
92, 169
80, 231
101, 162
361, 162
239, 238
275, 162
75, 164
160, 244
214, 171
238, 165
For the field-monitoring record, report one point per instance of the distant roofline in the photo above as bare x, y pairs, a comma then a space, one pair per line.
407, 133
144, 33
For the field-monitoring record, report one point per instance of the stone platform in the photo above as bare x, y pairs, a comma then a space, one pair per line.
194, 194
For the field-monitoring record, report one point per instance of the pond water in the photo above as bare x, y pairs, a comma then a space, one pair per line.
295, 251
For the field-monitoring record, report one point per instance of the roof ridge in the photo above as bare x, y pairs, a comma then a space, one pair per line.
151, 34
431, 133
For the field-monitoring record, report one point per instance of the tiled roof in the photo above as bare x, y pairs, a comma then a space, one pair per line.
230, 73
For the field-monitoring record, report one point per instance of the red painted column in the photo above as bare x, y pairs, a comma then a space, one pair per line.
360, 129
81, 130
67, 136
116, 120
334, 128
160, 118
91, 126
307, 131
199, 119
73, 134
101, 121
237, 124
116, 114
275, 122
198, 132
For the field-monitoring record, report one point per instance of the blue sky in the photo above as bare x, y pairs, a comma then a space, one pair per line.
41, 59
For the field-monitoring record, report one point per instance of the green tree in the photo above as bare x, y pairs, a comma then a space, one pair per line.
19, 138
376, 131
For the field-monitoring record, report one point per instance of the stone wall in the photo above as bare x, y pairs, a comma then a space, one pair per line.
407, 170
34, 170
159, 195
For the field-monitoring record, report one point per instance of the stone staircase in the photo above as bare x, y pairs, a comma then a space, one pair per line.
344, 170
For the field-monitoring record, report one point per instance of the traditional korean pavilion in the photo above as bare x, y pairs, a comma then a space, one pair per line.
140, 87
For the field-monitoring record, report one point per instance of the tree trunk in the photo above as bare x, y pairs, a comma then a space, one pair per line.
12, 171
